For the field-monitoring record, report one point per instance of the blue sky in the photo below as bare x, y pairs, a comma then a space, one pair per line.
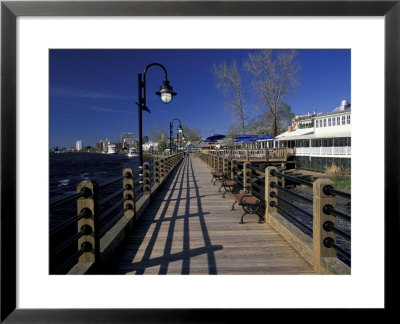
93, 93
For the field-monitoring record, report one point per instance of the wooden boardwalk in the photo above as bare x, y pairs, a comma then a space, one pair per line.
190, 229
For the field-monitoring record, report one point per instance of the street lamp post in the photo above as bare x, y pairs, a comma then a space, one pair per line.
165, 94
180, 130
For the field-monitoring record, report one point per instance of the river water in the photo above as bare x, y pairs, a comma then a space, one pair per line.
67, 170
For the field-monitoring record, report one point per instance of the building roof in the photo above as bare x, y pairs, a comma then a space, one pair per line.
335, 112
295, 133
315, 136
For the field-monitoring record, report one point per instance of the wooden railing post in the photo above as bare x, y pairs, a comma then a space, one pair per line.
233, 166
246, 177
146, 178
89, 225
162, 169
168, 165
320, 200
225, 165
268, 190
157, 171
128, 184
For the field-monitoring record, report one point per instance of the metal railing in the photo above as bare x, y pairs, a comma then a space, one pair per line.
254, 154
326, 225
100, 207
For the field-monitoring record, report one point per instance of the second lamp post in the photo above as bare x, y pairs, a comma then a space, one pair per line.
180, 130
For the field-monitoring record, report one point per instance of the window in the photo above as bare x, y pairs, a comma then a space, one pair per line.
348, 119
343, 120
329, 122
338, 120
316, 124
320, 123
325, 122
333, 121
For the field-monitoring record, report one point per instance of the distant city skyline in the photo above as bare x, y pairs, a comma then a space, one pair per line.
93, 93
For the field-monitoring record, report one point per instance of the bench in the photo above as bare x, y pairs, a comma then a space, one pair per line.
228, 184
250, 204
216, 175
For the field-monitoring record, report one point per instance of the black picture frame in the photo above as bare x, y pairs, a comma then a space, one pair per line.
10, 10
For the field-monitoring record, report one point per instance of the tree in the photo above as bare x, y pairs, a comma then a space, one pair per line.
234, 130
263, 124
276, 75
160, 136
191, 134
230, 82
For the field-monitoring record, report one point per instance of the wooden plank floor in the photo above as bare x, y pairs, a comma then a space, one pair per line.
190, 229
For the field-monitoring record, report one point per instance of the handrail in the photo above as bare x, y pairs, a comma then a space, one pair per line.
273, 194
253, 167
107, 183
329, 190
263, 183
84, 192
329, 210
294, 179
330, 243
309, 200
329, 226
85, 212
59, 261
274, 204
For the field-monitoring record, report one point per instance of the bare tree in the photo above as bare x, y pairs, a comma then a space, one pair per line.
230, 82
262, 124
191, 134
276, 75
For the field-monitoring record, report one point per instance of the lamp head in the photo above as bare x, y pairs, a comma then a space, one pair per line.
166, 92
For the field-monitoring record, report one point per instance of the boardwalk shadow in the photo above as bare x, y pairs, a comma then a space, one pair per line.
175, 194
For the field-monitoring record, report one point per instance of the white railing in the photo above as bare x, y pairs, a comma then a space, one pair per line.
324, 151
254, 153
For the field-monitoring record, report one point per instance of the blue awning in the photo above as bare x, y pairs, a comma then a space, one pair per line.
215, 137
265, 137
243, 136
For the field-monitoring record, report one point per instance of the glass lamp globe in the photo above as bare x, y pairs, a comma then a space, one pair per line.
166, 97
166, 92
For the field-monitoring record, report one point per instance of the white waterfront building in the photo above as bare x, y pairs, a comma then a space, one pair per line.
328, 141
78, 145
329, 137
150, 146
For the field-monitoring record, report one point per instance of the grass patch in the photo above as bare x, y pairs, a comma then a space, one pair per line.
342, 183
340, 176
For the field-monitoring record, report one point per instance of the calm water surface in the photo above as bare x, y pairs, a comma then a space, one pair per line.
67, 170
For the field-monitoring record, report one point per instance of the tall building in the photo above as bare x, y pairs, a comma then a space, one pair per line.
127, 139
78, 145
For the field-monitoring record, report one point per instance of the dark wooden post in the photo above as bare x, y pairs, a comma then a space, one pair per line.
268, 190
90, 241
320, 200
146, 178
128, 184
246, 177
157, 173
